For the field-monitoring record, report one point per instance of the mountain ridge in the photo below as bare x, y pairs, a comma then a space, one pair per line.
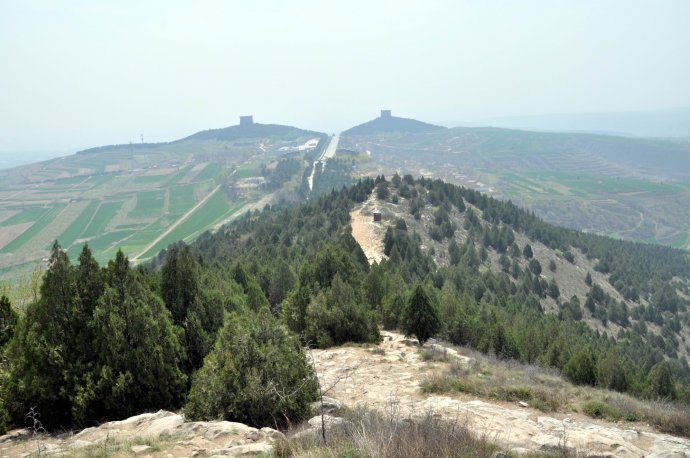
234, 132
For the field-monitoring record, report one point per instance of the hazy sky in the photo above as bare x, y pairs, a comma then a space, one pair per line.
84, 73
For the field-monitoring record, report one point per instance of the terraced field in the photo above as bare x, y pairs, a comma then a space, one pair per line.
127, 196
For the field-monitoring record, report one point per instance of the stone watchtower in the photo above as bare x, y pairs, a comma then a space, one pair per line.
246, 120
385, 113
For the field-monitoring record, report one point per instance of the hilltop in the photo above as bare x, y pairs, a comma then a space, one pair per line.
237, 132
387, 123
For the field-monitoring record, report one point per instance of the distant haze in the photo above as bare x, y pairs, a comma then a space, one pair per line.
657, 123
79, 73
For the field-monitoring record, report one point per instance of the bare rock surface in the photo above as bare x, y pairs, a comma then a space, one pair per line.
388, 380
369, 234
159, 434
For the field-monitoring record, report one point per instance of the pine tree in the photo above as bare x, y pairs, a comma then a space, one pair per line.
43, 373
580, 368
179, 282
527, 251
8, 320
137, 350
89, 287
256, 374
420, 316
660, 382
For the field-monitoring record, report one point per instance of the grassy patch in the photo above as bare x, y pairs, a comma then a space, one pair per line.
543, 389
370, 434
671, 418
500, 380
112, 447
433, 354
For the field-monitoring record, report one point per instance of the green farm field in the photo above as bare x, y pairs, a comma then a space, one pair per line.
130, 196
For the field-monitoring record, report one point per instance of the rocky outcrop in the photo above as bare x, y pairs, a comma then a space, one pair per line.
160, 434
388, 379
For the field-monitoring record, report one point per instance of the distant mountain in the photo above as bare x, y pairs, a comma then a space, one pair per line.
491, 147
236, 132
388, 123
253, 130
658, 123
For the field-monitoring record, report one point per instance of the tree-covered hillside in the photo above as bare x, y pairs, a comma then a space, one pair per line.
494, 311
218, 328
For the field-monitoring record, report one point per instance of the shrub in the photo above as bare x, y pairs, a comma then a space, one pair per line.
420, 318
256, 374
338, 316
580, 367
599, 409
660, 382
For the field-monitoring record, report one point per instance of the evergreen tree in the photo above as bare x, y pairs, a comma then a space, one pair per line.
454, 253
660, 382
527, 251
137, 350
89, 288
43, 372
8, 320
179, 282
612, 373
256, 374
535, 267
281, 283
580, 368
338, 315
514, 251
420, 317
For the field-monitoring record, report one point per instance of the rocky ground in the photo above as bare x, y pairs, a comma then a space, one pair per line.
388, 377
160, 434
